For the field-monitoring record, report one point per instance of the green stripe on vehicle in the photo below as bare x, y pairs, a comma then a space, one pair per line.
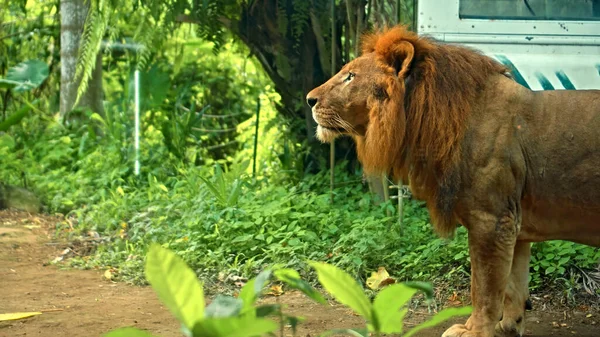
516, 73
564, 80
546, 85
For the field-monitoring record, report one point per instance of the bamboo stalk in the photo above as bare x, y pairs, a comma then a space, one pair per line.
256, 137
400, 204
332, 144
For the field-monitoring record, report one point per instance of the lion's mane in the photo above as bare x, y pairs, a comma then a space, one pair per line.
415, 133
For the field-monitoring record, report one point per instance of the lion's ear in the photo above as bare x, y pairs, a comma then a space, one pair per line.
400, 56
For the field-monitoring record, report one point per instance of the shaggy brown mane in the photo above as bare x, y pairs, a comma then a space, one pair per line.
416, 132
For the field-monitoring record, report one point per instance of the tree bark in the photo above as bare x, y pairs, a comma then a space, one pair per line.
295, 69
73, 14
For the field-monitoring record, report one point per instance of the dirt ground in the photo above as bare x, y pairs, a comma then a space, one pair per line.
83, 303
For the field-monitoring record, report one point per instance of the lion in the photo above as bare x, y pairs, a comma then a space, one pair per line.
511, 165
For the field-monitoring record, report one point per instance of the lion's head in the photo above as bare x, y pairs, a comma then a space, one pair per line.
365, 100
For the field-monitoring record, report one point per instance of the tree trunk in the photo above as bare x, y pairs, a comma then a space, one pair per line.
73, 14
295, 66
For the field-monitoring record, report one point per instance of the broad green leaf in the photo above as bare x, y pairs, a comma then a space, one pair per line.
261, 280
18, 315
223, 306
16, 117
242, 238
268, 309
233, 327
27, 75
176, 285
343, 288
247, 294
292, 279
96, 117
425, 287
439, 318
4, 83
293, 321
253, 288
387, 305
128, 332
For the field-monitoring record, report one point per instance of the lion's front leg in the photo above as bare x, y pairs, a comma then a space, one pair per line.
491, 245
517, 293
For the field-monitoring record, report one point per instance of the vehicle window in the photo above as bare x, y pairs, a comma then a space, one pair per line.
565, 10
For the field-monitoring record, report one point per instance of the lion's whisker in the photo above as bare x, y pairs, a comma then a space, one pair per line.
345, 124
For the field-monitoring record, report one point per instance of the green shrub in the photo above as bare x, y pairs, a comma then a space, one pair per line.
177, 287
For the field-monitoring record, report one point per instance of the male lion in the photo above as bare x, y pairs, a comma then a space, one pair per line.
511, 165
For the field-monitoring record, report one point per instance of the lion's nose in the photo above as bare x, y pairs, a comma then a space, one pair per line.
312, 101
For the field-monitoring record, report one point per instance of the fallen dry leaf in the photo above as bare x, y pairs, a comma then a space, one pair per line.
379, 279
275, 290
453, 300
109, 274
18, 315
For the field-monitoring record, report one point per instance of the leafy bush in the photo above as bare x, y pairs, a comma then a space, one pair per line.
177, 286
221, 220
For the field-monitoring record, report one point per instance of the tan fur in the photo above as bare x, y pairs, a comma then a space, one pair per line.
511, 165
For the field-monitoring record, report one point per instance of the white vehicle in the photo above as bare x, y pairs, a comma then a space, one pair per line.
548, 44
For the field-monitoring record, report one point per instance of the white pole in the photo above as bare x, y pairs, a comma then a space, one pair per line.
137, 122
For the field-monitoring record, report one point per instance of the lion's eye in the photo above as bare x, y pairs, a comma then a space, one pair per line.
349, 77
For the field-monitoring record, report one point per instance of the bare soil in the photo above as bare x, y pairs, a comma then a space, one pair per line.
84, 303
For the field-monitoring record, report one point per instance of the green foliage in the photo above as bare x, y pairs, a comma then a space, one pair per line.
388, 307
344, 289
225, 190
385, 314
178, 288
293, 280
197, 200
21, 78
176, 285
25, 76
221, 220
16, 117
98, 18
552, 260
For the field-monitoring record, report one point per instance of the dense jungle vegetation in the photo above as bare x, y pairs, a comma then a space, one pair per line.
206, 68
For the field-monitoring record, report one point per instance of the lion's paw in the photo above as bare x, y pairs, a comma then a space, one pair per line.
460, 330
509, 328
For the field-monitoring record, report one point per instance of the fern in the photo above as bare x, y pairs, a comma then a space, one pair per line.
150, 16
299, 20
282, 18
91, 40
209, 26
144, 35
